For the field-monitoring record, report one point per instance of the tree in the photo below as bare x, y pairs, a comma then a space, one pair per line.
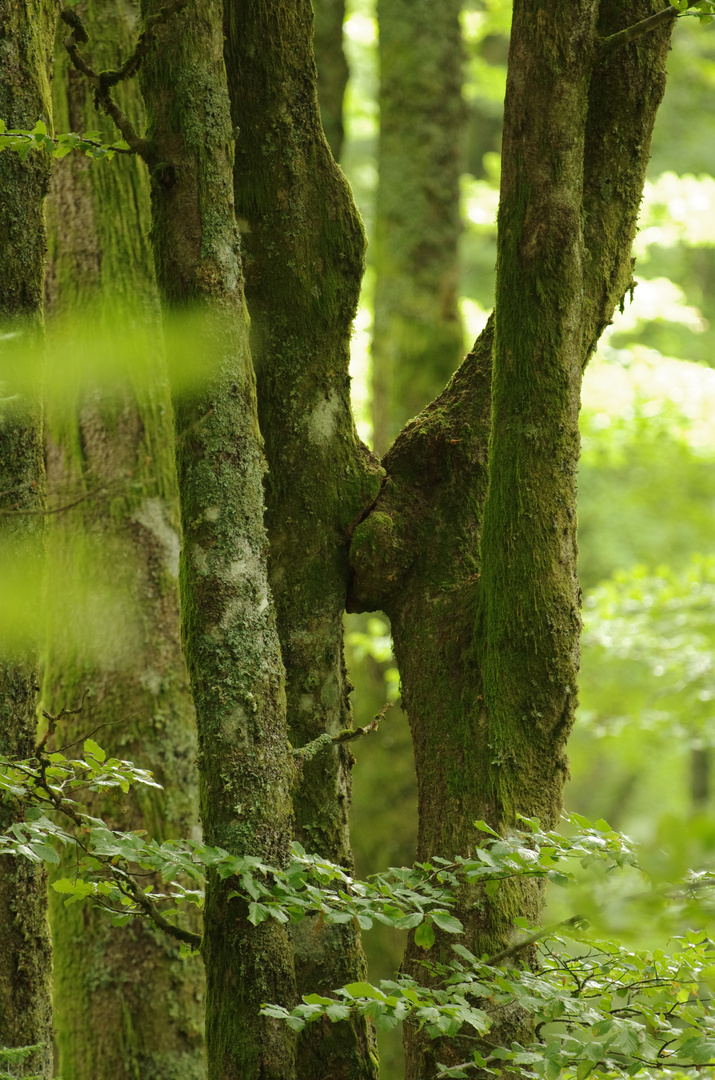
332, 69
418, 340
110, 456
26, 951
466, 539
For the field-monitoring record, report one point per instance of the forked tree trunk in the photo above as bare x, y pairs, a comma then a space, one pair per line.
304, 246
119, 440
486, 630
26, 36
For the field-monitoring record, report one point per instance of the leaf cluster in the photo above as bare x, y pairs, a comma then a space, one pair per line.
704, 9
23, 140
597, 1008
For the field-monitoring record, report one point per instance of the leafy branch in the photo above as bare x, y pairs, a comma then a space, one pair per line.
103, 82
307, 752
41, 785
23, 140
598, 1008
702, 9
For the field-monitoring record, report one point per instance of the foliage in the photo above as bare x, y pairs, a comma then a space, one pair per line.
598, 1008
660, 623
11, 1056
703, 9
23, 140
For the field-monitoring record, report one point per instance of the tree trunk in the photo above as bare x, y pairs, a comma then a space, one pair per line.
489, 660
230, 640
332, 68
304, 249
26, 35
417, 341
122, 442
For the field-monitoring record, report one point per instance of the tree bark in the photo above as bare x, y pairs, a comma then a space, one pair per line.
122, 441
498, 638
26, 35
417, 341
304, 249
228, 626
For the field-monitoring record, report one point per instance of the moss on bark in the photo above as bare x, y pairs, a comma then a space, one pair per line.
228, 626
417, 340
304, 247
498, 641
26, 33
121, 441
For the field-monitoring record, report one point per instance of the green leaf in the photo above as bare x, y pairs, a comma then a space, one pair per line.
386, 1021
316, 999
364, 989
424, 935
446, 922
698, 1049
46, 853
337, 1012
553, 1069
257, 913
295, 1022
409, 922
91, 747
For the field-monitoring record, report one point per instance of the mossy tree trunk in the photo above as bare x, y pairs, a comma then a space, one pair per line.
126, 1004
417, 340
304, 247
26, 36
471, 547
228, 623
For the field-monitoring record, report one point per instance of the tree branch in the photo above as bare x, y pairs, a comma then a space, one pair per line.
645, 26
103, 81
307, 752
152, 912
532, 940
53, 720
122, 876
625, 91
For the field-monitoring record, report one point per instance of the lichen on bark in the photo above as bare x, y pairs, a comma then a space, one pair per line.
228, 626
304, 251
